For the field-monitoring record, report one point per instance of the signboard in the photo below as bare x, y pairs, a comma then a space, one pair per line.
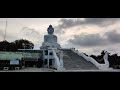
14, 62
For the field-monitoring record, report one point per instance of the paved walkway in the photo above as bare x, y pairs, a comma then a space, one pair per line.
30, 69
89, 71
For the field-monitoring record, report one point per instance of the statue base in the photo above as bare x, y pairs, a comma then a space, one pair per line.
46, 45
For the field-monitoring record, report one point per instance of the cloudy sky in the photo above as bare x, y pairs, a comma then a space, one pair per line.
88, 35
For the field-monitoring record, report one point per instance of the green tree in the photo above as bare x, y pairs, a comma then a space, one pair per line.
17, 44
4, 46
23, 44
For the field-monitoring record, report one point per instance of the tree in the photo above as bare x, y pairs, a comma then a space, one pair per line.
4, 46
23, 44
13, 47
99, 58
103, 53
17, 44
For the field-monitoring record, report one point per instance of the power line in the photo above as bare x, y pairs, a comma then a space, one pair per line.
5, 30
6, 26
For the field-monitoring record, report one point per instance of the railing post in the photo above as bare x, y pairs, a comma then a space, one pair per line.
48, 58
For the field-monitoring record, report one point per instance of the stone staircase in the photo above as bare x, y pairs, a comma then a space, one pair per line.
73, 61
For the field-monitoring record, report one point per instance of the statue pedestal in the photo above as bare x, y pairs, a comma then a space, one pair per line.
51, 45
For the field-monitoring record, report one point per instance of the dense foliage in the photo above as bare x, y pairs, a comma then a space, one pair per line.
17, 44
113, 59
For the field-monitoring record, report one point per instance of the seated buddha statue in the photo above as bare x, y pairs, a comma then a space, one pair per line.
50, 40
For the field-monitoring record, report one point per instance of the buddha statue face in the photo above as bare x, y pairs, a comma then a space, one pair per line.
50, 30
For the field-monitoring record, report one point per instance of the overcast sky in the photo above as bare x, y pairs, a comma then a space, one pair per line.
88, 35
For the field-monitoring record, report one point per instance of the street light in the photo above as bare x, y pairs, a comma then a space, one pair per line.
23, 45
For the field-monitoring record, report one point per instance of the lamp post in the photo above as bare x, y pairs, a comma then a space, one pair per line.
23, 45
48, 58
24, 52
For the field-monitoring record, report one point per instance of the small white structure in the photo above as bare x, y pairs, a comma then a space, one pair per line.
53, 58
6, 68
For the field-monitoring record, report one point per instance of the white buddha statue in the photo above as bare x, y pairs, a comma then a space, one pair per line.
50, 40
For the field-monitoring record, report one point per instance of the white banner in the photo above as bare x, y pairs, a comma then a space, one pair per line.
14, 62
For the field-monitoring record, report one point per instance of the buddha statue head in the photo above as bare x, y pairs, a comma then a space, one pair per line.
50, 29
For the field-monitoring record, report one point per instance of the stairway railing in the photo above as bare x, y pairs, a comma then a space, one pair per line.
98, 65
58, 63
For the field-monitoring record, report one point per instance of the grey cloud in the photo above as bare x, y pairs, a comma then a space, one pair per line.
100, 21
68, 23
30, 32
96, 50
1, 33
88, 40
12, 38
9, 37
92, 40
113, 36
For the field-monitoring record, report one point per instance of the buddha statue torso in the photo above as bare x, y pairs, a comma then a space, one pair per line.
50, 38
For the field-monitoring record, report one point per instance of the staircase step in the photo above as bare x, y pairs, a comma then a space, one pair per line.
73, 61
